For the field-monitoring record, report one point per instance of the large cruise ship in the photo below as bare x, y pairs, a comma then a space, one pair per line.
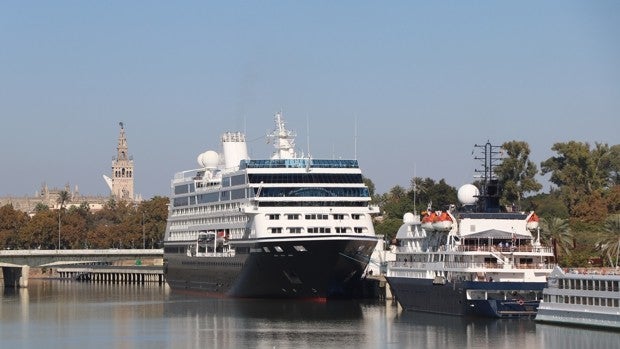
288, 226
590, 300
476, 261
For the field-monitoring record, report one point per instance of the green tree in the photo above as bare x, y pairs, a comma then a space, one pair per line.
580, 172
63, 198
609, 244
11, 223
546, 205
439, 194
155, 214
556, 231
40, 207
517, 173
40, 232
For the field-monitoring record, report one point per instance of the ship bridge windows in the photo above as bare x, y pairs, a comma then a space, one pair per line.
293, 216
294, 230
341, 230
324, 203
273, 216
359, 230
338, 216
356, 216
331, 178
313, 192
275, 230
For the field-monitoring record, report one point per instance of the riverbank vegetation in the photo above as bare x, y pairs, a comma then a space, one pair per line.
580, 213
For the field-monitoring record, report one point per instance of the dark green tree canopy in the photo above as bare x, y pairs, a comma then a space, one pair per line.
580, 171
517, 173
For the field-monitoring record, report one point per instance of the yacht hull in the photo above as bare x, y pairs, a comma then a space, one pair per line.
322, 268
503, 299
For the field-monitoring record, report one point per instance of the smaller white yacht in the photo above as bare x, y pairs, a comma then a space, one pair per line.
478, 260
581, 299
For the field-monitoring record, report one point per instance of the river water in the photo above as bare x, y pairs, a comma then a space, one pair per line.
54, 314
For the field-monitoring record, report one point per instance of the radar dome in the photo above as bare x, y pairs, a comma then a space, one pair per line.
468, 194
408, 217
209, 159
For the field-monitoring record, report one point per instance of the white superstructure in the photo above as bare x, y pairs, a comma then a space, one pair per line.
284, 226
581, 299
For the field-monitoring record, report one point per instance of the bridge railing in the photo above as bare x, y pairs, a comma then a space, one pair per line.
82, 252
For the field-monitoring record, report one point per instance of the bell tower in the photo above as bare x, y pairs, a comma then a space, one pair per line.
122, 170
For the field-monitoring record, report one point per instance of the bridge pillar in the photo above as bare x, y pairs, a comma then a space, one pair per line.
16, 276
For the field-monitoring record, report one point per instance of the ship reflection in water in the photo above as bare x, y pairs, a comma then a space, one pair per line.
61, 315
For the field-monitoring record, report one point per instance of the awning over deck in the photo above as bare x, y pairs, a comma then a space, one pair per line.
496, 235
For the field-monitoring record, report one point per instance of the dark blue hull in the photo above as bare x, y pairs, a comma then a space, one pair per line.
322, 269
468, 298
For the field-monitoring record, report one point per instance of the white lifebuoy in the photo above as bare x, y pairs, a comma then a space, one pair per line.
520, 302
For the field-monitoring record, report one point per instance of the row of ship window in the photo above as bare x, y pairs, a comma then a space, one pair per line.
243, 193
280, 178
603, 302
316, 230
595, 285
313, 216
234, 206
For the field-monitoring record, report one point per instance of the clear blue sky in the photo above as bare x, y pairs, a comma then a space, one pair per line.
425, 81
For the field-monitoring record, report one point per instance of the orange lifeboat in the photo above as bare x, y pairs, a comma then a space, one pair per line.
442, 222
532, 222
427, 220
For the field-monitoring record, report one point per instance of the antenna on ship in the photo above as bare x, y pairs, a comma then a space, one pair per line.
490, 184
308, 134
355, 141
415, 187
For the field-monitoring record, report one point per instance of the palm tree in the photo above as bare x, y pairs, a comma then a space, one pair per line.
63, 198
610, 241
558, 232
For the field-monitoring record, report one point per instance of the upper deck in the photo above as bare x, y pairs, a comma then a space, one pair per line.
305, 163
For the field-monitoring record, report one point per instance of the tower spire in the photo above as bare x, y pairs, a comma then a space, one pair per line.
122, 169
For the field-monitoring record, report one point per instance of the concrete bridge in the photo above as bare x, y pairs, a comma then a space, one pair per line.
49, 258
16, 264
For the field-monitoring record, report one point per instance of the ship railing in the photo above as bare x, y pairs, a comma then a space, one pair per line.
504, 249
464, 265
230, 253
410, 249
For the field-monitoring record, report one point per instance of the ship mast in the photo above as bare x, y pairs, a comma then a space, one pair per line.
490, 191
283, 140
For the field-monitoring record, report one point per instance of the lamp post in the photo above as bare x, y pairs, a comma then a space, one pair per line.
143, 235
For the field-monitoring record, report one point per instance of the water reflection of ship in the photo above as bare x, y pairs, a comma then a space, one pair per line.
430, 330
265, 309
568, 337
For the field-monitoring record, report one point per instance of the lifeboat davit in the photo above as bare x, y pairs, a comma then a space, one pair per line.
532, 222
427, 220
442, 222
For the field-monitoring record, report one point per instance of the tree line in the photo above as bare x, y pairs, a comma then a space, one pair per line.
580, 216
119, 224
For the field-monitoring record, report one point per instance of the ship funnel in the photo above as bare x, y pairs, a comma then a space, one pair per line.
235, 149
